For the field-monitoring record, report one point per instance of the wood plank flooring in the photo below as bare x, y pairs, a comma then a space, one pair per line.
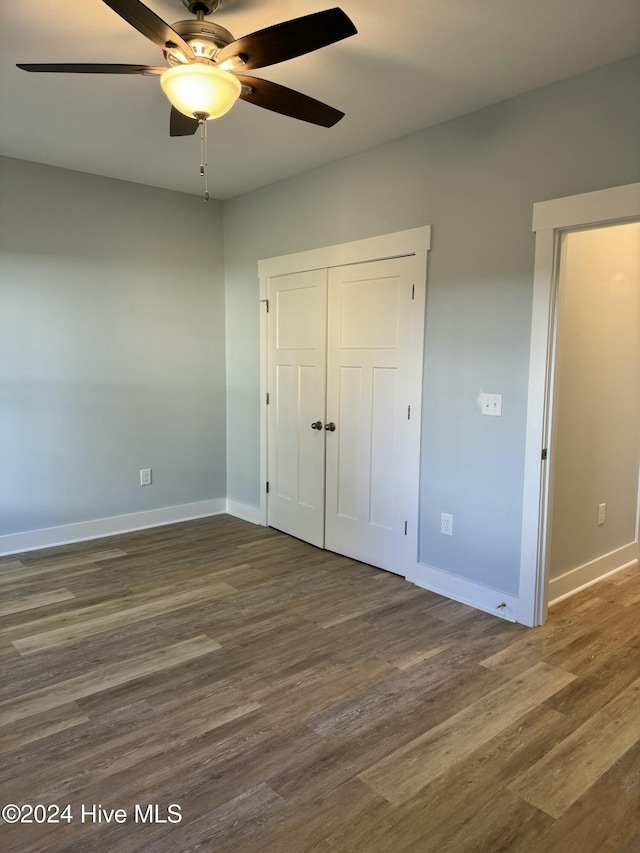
291, 700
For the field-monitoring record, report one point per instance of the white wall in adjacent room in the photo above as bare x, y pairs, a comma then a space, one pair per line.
597, 414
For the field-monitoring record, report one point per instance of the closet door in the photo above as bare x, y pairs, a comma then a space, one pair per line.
374, 356
297, 323
344, 379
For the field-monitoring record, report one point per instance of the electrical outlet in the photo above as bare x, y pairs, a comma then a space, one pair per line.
602, 514
446, 524
145, 476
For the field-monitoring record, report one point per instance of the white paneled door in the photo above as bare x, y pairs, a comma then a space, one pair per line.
344, 383
297, 383
369, 361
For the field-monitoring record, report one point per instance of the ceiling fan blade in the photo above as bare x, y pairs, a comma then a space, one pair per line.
288, 102
151, 26
84, 68
181, 125
290, 39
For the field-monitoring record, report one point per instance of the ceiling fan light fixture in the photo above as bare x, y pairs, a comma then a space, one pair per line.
197, 88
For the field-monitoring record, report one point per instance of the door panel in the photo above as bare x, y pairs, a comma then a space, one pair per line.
297, 370
369, 312
384, 404
369, 352
347, 484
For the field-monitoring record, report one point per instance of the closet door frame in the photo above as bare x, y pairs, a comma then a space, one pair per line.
416, 242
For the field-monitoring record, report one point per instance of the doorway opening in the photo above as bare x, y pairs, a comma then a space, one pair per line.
594, 461
562, 251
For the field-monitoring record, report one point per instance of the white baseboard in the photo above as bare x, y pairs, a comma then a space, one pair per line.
465, 591
32, 540
246, 512
451, 586
595, 570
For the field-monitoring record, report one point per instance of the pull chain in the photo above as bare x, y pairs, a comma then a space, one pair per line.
206, 162
204, 153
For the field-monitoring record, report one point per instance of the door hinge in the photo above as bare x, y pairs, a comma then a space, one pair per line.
266, 302
413, 291
544, 453
405, 528
267, 398
408, 413
267, 487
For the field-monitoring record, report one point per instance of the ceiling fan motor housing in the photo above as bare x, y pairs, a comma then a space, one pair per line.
204, 37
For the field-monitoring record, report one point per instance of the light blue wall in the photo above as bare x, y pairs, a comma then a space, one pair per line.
111, 347
475, 180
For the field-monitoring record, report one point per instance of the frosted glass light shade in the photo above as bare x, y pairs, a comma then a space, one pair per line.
200, 88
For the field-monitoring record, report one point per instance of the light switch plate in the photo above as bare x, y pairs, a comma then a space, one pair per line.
492, 405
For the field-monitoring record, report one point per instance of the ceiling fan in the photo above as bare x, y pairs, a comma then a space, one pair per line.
206, 67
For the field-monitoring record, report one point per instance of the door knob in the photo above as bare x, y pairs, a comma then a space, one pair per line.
316, 425
331, 427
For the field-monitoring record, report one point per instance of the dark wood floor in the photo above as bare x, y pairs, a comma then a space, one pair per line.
291, 700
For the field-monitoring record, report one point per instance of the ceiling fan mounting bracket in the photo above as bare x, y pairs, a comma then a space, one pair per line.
204, 6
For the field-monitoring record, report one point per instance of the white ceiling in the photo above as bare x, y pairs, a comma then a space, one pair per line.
414, 63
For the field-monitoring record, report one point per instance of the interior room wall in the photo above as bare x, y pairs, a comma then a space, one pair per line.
475, 180
597, 415
111, 347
